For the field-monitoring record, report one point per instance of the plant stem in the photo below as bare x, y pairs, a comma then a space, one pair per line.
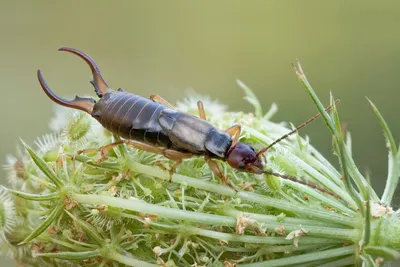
129, 261
329, 200
252, 197
271, 219
309, 257
392, 181
191, 230
314, 230
84, 255
321, 164
349, 260
309, 169
36, 197
204, 218
259, 239
140, 206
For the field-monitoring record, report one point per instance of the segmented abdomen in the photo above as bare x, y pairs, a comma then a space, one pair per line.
133, 117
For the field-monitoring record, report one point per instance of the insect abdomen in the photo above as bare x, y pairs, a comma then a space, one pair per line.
132, 117
193, 134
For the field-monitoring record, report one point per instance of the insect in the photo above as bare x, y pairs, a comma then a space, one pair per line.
152, 124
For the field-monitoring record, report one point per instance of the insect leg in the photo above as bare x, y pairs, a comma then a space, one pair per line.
234, 131
202, 113
177, 157
136, 144
168, 153
212, 164
161, 101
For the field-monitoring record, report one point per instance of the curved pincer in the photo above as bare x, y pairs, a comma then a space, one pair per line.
81, 103
100, 86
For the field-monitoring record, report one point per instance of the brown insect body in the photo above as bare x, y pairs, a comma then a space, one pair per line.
153, 125
132, 117
137, 118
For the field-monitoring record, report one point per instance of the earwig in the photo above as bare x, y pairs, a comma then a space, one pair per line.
152, 124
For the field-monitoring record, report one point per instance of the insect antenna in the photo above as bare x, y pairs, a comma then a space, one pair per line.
292, 178
296, 180
262, 151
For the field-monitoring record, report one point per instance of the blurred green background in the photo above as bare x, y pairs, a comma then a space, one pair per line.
166, 47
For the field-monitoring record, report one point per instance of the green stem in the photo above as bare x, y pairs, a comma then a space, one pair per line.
309, 257
346, 261
71, 246
71, 255
35, 197
203, 218
140, 206
41, 182
345, 170
323, 166
287, 248
187, 230
271, 219
392, 181
252, 197
301, 209
309, 169
252, 239
304, 81
367, 225
353, 170
45, 224
393, 175
329, 200
42, 165
129, 261
314, 230
386, 130
258, 239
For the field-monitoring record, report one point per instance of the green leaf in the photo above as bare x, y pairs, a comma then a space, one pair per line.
367, 261
71, 255
251, 98
367, 223
89, 229
36, 197
352, 168
42, 165
271, 112
384, 252
392, 181
314, 97
386, 131
89, 161
394, 171
345, 164
46, 223
346, 261
129, 260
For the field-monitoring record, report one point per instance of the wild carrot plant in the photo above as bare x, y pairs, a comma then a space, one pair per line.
62, 208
